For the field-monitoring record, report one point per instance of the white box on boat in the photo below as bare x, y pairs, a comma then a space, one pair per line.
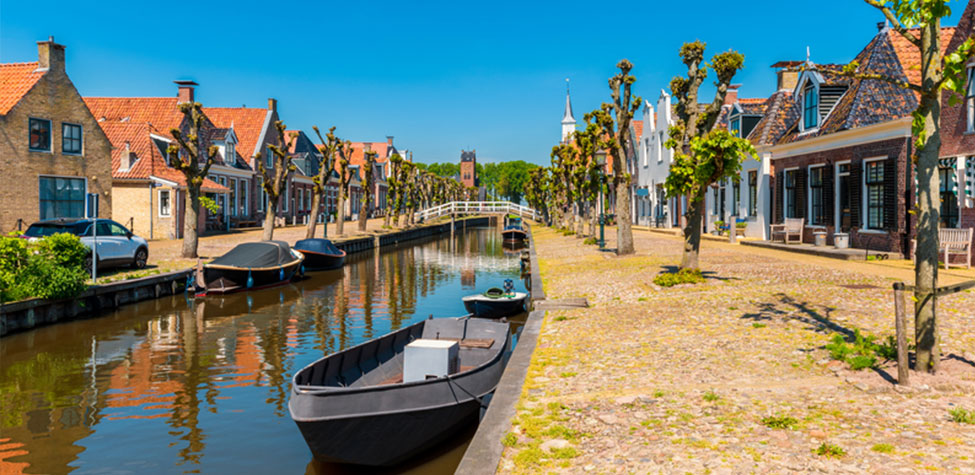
425, 358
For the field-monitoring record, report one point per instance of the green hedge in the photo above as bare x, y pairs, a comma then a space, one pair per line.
50, 268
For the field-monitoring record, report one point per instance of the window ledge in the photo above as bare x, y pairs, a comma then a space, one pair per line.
872, 231
39, 150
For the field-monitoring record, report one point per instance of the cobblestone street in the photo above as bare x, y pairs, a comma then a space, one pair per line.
731, 376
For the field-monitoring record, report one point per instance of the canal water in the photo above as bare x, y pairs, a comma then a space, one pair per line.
176, 385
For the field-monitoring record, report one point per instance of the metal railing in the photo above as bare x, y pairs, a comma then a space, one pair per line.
476, 207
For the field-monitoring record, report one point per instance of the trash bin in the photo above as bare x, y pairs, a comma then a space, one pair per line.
841, 240
820, 238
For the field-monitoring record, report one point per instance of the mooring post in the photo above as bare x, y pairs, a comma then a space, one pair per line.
903, 365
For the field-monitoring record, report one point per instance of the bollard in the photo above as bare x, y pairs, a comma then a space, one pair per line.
903, 365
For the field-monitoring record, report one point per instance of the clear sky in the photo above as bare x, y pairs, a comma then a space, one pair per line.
440, 77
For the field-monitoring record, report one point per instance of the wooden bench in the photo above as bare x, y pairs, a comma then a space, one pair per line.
791, 227
952, 241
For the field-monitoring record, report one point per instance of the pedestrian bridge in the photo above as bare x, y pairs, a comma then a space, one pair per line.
458, 208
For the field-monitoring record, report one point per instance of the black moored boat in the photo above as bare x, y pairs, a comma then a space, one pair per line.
251, 265
353, 406
513, 231
320, 254
496, 303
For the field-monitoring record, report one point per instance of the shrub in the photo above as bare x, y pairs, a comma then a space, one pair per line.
684, 276
863, 352
51, 268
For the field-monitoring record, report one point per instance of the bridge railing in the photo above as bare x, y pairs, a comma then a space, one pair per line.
476, 207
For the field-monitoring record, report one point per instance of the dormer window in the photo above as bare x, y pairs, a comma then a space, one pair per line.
231, 153
735, 127
810, 107
970, 100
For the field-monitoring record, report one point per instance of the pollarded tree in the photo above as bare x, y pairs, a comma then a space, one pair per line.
393, 189
590, 176
326, 164
188, 163
345, 177
407, 170
702, 157
367, 182
920, 23
273, 181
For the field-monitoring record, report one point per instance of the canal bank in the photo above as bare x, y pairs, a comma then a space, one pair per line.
27, 314
177, 385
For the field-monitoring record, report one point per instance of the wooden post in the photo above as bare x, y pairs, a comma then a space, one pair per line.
903, 364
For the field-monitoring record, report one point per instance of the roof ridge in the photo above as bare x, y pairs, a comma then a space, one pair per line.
22, 63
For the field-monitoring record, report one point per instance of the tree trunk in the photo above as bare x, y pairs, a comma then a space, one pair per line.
364, 212
624, 231
191, 222
340, 220
316, 201
929, 211
579, 221
692, 233
272, 211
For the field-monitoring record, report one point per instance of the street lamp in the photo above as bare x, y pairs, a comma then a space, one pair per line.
601, 162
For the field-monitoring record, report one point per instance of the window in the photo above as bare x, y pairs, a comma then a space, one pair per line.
40, 135
233, 196
716, 210
753, 193
308, 200
287, 196
790, 194
735, 197
243, 198
722, 197
817, 215
810, 107
949, 199
735, 127
874, 183
231, 157
261, 194
269, 158
70, 138
970, 99
301, 200
165, 208
61, 197
660, 147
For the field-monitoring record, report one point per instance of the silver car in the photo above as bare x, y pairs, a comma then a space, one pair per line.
116, 246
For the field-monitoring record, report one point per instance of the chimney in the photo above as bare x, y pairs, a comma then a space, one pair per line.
787, 79
366, 147
732, 96
389, 140
272, 104
50, 55
127, 159
186, 89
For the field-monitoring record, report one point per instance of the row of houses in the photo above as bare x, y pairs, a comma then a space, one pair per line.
57, 146
835, 152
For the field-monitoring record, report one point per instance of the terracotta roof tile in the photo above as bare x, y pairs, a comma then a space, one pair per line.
248, 123
910, 57
16, 79
780, 112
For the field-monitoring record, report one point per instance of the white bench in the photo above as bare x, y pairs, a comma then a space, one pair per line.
952, 241
791, 227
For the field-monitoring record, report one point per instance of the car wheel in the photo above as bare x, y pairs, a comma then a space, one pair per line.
88, 263
139, 261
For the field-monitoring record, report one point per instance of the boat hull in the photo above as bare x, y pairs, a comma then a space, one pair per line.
315, 261
513, 235
224, 281
494, 308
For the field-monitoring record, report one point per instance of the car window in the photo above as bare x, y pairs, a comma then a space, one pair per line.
117, 229
42, 230
81, 229
104, 229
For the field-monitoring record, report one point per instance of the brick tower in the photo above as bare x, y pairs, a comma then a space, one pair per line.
468, 168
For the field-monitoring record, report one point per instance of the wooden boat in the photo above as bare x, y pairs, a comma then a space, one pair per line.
320, 254
251, 265
496, 303
353, 406
513, 234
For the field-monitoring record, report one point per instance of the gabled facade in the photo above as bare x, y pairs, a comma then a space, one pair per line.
52, 150
653, 166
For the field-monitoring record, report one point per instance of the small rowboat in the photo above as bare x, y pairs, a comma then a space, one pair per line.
353, 407
495, 303
250, 266
320, 254
513, 234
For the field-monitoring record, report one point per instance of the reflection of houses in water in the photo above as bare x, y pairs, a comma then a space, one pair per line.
467, 278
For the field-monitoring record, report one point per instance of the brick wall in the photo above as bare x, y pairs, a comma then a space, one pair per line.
54, 98
896, 238
967, 220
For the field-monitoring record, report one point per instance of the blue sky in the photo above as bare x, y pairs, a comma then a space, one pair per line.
440, 77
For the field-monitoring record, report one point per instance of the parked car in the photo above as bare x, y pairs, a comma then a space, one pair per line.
117, 246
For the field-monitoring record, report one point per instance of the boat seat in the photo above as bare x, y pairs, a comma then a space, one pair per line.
478, 343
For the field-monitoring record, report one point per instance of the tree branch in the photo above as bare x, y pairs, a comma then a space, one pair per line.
895, 23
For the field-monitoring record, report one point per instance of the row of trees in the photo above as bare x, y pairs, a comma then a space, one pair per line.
409, 188
505, 180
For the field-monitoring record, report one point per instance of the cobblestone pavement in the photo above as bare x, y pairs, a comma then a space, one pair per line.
731, 376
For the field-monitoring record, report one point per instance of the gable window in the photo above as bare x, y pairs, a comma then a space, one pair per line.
231, 157
874, 184
61, 197
735, 127
791, 210
817, 216
753, 193
949, 199
810, 107
70, 138
40, 135
970, 99
165, 207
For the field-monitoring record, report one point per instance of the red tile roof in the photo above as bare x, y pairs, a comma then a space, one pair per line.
161, 113
248, 123
637, 128
15, 80
909, 55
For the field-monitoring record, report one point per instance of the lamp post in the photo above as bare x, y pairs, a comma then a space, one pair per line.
601, 162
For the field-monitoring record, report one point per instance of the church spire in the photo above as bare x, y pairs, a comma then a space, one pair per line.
568, 122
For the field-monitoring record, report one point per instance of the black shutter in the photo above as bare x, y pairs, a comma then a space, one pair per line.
890, 194
776, 186
800, 184
829, 195
856, 190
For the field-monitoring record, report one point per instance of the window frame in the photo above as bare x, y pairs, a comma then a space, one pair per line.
970, 100
30, 131
752, 193
810, 107
735, 197
865, 184
810, 190
735, 119
80, 139
159, 202
787, 203
40, 200
953, 196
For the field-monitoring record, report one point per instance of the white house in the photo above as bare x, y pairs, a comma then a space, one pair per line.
653, 166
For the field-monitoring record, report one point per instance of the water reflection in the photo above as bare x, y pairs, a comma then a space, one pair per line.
179, 385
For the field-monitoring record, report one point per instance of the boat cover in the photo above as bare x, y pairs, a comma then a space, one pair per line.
321, 246
257, 254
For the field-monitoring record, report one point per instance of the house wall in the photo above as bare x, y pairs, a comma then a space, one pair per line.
54, 98
653, 166
899, 227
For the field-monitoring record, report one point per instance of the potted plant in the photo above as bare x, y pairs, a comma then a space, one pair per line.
719, 227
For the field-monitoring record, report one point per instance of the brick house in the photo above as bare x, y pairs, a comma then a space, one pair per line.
957, 164
843, 164
306, 158
382, 169
150, 194
52, 151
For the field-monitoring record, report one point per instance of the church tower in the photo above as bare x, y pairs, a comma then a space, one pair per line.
568, 122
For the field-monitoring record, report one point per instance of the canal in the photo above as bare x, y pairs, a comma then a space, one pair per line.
176, 385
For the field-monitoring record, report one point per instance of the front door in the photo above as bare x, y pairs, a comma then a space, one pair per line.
844, 212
